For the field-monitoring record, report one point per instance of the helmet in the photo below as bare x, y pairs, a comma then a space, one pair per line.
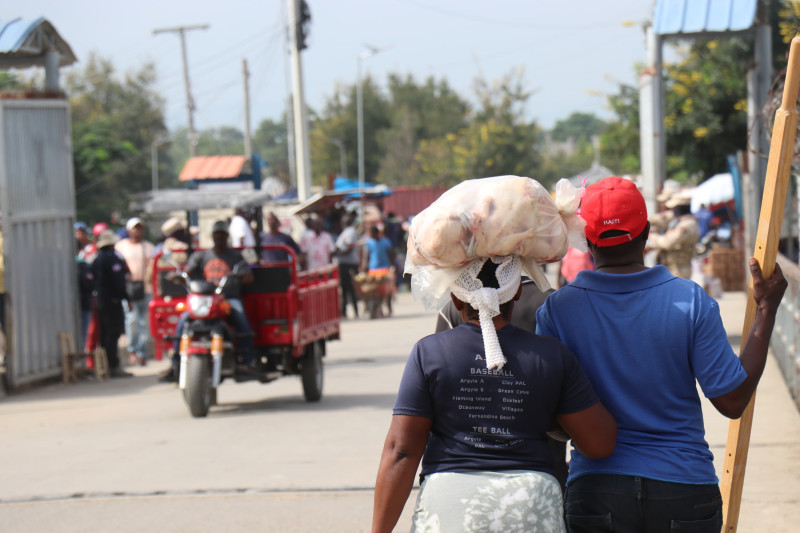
99, 228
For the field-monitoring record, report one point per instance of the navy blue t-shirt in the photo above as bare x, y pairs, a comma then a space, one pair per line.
271, 255
490, 420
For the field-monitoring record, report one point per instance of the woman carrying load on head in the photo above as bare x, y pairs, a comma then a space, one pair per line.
475, 404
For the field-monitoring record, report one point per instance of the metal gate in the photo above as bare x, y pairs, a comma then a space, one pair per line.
37, 203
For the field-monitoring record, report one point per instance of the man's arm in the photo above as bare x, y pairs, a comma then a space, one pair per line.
244, 269
768, 295
402, 451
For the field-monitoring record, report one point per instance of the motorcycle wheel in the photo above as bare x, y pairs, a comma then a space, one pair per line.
198, 390
312, 372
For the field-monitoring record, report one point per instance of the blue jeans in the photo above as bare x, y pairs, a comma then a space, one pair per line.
137, 328
628, 504
240, 323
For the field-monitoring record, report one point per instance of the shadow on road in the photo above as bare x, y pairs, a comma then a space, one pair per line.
86, 387
340, 402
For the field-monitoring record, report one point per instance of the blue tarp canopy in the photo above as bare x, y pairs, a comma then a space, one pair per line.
343, 189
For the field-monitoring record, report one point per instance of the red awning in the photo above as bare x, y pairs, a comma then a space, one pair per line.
215, 167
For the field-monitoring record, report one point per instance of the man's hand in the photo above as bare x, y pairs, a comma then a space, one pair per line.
130, 305
767, 292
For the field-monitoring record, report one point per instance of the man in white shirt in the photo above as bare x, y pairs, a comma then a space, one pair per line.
138, 253
317, 245
240, 231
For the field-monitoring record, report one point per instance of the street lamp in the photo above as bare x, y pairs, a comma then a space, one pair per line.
366, 54
160, 139
342, 155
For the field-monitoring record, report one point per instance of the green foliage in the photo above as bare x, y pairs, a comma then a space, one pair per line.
427, 111
619, 142
8, 81
577, 126
270, 142
706, 107
705, 102
113, 123
338, 121
497, 139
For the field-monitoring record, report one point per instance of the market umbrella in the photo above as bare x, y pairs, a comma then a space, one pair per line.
717, 189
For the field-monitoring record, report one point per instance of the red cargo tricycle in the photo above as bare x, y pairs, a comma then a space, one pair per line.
292, 314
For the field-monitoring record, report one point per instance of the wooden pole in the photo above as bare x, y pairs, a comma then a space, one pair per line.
766, 251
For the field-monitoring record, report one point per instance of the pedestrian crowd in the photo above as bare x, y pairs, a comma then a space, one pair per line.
115, 266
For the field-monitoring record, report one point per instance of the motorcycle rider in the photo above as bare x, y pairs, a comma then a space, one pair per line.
214, 264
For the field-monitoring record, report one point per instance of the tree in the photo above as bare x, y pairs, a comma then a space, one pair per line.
113, 124
619, 142
338, 120
498, 139
428, 111
706, 107
577, 126
705, 102
270, 142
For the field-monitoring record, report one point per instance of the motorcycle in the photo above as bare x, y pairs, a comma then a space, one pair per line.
292, 314
207, 345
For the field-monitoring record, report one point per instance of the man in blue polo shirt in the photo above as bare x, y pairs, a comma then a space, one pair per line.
645, 338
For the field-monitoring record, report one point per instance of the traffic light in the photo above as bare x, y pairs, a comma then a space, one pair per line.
303, 24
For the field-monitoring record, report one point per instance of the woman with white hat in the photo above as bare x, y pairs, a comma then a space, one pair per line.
109, 275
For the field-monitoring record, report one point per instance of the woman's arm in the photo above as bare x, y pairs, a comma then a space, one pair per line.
402, 451
593, 431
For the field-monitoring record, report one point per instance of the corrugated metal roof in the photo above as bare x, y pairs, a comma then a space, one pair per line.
674, 17
166, 200
215, 167
25, 43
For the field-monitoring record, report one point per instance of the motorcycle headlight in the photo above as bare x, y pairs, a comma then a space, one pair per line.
200, 306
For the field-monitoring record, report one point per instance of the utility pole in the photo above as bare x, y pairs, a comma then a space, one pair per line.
190, 107
298, 15
248, 146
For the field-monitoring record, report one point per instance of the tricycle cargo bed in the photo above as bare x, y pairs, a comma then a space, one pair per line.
289, 308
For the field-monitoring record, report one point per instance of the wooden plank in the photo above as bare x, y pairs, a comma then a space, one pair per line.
766, 251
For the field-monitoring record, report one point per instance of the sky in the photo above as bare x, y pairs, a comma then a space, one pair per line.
573, 53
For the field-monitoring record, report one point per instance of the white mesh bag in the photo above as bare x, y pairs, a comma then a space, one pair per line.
487, 300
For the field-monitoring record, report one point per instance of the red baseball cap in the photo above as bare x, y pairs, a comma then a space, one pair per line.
99, 228
613, 203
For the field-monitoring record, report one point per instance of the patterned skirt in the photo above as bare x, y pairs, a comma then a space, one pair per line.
483, 502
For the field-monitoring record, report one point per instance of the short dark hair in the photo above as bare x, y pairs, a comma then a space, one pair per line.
625, 247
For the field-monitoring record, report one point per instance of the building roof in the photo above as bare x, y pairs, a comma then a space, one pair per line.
215, 167
24, 43
679, 17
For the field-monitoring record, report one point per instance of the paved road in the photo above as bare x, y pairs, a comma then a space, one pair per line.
127, 452
126, 456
